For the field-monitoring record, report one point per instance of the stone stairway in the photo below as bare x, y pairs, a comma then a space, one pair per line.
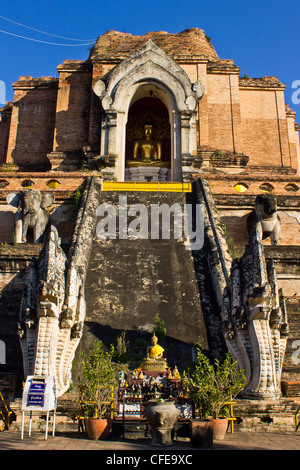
130, 280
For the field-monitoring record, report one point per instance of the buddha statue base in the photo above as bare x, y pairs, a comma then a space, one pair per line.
148, 173
149, 163
154, 365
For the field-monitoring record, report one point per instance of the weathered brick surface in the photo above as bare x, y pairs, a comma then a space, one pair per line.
130, 280
68, 182
225, 184
14, 262
4, 131
95, 108
189, 43
234, 207
73, 106
32, 121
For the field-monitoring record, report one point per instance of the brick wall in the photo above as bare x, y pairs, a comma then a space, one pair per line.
32, 122
234, 207
283, 185
219, 112
293, 133
68, 181
95, 109
263, 127
14, 262
73, 106
4, 132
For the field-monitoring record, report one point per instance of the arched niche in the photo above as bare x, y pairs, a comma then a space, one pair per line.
148, 69
145, 109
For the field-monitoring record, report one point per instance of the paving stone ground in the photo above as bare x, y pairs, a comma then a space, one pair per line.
74, 441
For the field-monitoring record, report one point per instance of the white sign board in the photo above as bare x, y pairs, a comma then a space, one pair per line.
132, 409
39, 394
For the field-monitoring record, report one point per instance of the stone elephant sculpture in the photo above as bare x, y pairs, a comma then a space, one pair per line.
31, 213
265, 219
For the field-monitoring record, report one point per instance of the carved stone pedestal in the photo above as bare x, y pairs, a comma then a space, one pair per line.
147, 174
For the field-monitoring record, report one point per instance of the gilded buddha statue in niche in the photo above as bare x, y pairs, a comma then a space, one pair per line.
148, 149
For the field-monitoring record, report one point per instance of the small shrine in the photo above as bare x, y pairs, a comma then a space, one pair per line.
153, 380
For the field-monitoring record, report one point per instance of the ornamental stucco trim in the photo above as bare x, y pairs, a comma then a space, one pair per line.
146, 63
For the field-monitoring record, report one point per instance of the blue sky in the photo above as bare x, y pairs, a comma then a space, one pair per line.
262, 37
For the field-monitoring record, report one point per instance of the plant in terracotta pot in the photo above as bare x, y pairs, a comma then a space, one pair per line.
211, 386
97, 379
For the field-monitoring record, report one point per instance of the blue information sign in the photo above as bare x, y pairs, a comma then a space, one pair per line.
36, 394
37, 387
35, 399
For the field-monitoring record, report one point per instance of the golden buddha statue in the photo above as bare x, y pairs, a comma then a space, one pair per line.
154, 360
155, 351
147, 151
176, 374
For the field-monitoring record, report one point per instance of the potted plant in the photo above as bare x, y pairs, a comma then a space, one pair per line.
97, 379
212, 386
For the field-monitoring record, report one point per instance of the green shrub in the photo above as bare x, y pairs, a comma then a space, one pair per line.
212, 385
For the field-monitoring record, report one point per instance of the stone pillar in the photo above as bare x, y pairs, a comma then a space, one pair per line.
111, 132
185, 132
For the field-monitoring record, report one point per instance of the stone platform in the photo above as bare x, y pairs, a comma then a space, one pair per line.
147, 173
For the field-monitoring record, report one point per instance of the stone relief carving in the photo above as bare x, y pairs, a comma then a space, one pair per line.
31, 205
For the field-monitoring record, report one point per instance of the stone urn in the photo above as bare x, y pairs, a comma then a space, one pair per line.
162, 416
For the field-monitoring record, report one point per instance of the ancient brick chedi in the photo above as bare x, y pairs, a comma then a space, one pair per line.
246, 118
159, 108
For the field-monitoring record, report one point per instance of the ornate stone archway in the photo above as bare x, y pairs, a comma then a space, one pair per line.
148, 67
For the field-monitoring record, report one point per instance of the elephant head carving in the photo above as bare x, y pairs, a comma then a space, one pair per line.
31, 204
